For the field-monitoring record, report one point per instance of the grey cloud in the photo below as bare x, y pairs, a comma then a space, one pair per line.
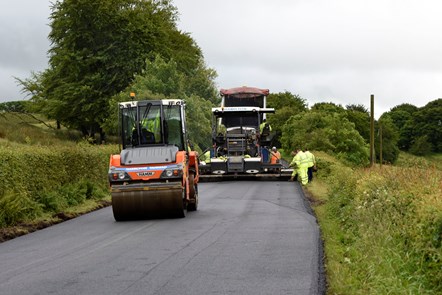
341, 50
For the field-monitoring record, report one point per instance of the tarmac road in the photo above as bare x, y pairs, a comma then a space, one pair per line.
246, 238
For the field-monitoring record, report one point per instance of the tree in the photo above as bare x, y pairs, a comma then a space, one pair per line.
357, 108
403, 121
286, 99
420, 129
402, 117
405, 107
97, 48
325, 131
359, 115
162, 80
160, 77
201, 83
390, 137
428, 124
329, 107
199, 121
286, 105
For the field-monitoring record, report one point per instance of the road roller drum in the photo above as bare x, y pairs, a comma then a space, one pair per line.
130, 204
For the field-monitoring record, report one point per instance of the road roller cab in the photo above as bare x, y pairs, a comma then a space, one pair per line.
156, 174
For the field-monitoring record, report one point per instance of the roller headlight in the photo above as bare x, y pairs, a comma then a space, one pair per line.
118, 176
172, 173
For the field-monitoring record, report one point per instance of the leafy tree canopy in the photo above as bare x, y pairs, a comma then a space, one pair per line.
325, 131
201, 83
357, 108
390, 137
406, 107
286, 105
162, 80
97, 49
402, 117
328, 107
418, 126
403, 121
428, 124
359, 115
286, 99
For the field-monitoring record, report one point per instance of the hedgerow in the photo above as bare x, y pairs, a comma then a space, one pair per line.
40, 179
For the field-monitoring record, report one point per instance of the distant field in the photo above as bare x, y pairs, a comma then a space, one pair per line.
34, 129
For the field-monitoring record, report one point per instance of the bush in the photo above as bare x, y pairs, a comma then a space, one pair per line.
421, 146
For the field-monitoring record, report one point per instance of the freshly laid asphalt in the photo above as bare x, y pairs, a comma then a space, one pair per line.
247, 237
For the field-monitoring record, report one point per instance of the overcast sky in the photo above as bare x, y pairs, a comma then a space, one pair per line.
324, 50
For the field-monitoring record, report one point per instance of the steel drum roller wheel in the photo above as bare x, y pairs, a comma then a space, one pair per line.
147, 204
182, 213
193, 194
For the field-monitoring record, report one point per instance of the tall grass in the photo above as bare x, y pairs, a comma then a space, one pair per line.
383, 229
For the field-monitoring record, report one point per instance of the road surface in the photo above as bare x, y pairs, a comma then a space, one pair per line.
246, 238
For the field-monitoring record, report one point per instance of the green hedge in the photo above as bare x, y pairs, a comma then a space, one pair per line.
41, 179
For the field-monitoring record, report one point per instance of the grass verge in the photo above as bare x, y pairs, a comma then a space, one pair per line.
382, 228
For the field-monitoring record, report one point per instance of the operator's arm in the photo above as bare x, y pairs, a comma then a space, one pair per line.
293, 162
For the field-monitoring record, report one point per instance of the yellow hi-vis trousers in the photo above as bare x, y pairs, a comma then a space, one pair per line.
301, 162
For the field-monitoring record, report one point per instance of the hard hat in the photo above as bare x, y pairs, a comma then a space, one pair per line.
274, 148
